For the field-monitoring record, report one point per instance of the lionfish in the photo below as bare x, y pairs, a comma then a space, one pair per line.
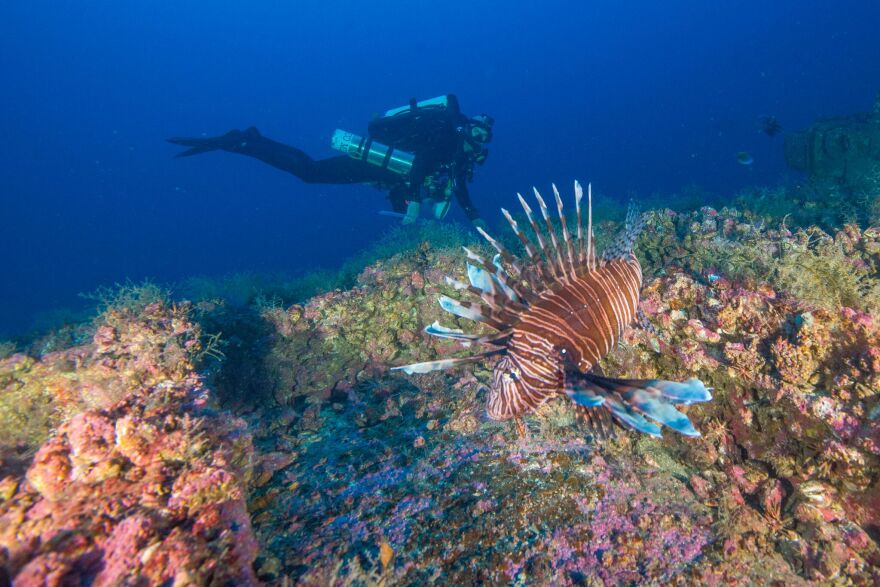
555, 315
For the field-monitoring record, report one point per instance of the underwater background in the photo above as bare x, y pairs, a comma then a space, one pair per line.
642, 98
213, 373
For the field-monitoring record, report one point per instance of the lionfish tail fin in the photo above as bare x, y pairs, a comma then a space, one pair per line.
630, 400
622, 246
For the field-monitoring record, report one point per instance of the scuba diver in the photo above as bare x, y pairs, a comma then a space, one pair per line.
424, 151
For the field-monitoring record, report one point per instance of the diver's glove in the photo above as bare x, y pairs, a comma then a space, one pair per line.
413, 209
479, 223
234, 140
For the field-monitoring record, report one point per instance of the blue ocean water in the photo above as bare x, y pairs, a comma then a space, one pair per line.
641, 97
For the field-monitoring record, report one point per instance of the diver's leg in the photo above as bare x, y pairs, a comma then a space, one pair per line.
344, 169
341, 169
250, 142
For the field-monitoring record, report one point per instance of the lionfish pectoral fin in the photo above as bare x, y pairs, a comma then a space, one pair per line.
629, 400
461, 310
583, 395
593, 391
660, 410
687, 392
440, 365
466, 339
439, 331
511, 295
597, 422
480, 279
632, 419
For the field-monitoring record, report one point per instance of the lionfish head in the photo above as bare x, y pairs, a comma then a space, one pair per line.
519, 387
507, 383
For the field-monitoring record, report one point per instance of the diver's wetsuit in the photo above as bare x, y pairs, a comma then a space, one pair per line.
341, 169
443, 150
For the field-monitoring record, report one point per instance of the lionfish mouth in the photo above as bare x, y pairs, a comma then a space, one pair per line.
555, 315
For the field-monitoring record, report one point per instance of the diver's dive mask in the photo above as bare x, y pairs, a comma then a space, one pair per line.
478, 132
480, 128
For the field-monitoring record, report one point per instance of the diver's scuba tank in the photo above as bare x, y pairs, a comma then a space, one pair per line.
365, 149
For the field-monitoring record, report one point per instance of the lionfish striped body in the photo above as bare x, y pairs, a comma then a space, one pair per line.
577, 324
556, 316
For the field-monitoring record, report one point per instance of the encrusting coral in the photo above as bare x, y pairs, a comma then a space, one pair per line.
787, 464
145, 483
353, 475
131, 346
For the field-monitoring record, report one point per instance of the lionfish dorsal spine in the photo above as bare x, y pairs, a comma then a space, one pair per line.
505, 254
549, 267
539, 270
591, 242
578, 196
552, 233
498, 272
566, 236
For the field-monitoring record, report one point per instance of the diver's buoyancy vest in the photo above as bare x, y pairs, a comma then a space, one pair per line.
429, 128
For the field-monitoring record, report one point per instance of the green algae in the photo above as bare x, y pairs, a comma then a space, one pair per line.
822, 274
27, 409
7, 348
128, 297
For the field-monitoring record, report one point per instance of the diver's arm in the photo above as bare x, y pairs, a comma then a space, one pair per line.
462, 195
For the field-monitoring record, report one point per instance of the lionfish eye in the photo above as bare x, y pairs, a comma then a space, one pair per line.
514, 374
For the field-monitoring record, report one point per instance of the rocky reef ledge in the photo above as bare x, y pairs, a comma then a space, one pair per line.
141, 481
316, 466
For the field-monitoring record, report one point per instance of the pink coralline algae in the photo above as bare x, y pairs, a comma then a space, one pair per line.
339, 472
623, 534
148, 490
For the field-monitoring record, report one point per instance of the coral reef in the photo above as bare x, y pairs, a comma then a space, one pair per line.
132, 345
355, 334
337, 472
781, 488
142, 480
823, 270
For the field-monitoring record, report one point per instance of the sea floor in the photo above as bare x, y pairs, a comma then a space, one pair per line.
140, 449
